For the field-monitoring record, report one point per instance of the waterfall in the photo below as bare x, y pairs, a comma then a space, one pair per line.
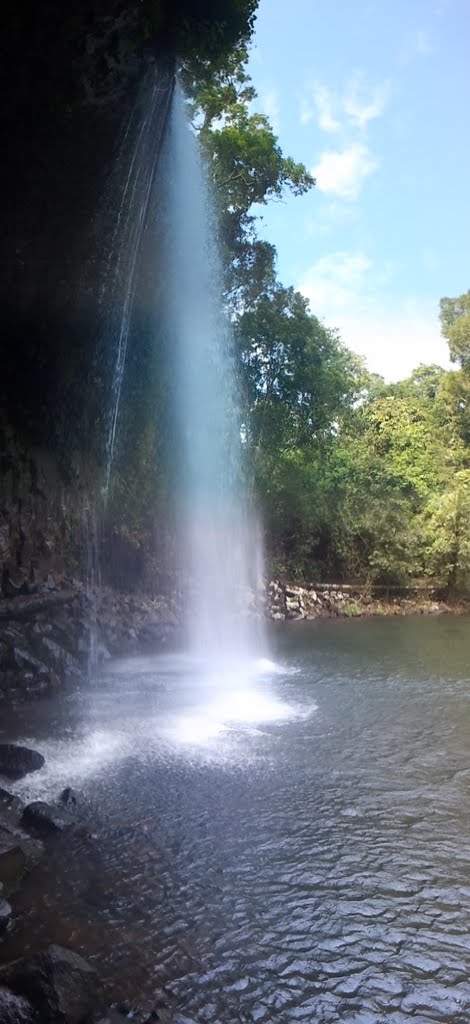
165, 229
218, 539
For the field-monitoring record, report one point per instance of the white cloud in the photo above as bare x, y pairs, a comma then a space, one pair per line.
322, 103
344, 289
396, 340
332, 280
343, 173
363, 103
357, 104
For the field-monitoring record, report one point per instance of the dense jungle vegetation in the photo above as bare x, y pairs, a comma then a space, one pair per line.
356, 478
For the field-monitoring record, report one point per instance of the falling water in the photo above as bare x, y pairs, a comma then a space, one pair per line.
132, 183
164, 207
219, 542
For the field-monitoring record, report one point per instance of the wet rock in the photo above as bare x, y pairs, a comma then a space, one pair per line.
14, 1009
18, 854
276, 601
10, 804
16, 761
68, 796
160, 1011
61, 658
60, 984
47, 818
5, 914
12, 859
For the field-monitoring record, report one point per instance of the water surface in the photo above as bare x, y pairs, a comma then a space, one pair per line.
274, 843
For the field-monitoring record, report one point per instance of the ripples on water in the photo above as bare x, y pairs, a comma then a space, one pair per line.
283, 844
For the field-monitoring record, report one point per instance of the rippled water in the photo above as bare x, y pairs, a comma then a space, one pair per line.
276, 845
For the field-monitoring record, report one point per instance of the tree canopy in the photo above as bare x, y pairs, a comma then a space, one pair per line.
455, 325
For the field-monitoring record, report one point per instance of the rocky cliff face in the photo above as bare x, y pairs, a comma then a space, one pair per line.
69, 77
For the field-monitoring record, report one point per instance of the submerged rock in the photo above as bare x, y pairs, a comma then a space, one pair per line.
14, 1009
16, 761
47, 817
60, 984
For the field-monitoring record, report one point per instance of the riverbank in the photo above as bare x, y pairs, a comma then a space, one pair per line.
51, 637
287, 600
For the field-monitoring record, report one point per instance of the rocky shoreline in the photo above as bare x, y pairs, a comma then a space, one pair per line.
54, 985
52, 637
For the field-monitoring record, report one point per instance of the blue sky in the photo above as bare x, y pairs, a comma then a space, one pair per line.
373, 97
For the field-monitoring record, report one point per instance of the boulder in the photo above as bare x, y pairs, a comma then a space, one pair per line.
46, 817
14, 1009
16, 761
60, 985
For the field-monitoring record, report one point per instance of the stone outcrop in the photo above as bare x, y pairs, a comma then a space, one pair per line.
59, 984
44, 641
291, 601
50, 638
129, 624
288, 601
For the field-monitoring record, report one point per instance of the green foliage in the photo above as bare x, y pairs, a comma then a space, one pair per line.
247, 169
455, 326
205, 32
297, 371
299, 383
449, 534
